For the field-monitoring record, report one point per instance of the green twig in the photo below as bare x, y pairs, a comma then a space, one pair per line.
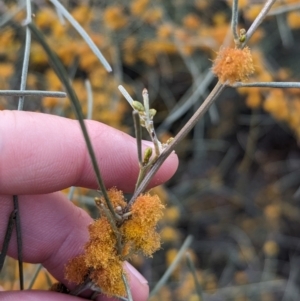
71, 193
138, 135
258, 20
26, 55
8, 233
126, 94
35, 275
283, 9
234, 19
90, 100
62, 74
87, 284
83, 33
33, 93
5, 18
191, 266
173, 265
127, 287
142, 173
117, 233
178, 138
19, 241
268, 85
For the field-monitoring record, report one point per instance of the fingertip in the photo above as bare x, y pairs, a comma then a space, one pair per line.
138, 284
36, 296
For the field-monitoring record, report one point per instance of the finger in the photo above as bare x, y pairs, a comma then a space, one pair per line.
42, 153
36, 296
53, 232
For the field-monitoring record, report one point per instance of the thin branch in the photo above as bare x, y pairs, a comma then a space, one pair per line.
20, 108
19, 241
127, 287
94, 295
173, 266
258, 20
83, 33
138, 135
116, 231
285, 31
188, 100
126, 94
268, 84
71, 193
232, 291
90, 99
26, 55
7, 17
33, 93
283, 9
62, 74
35, 275
191, 266
87, 284
146, 117
8, 233
178, 138
234, 19
60, 17
146, 105
49, 280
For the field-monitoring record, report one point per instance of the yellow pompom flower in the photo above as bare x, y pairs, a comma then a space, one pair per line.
110, 279
76, 269
233, 64
113, 241
100, 250
140, 230
116, 197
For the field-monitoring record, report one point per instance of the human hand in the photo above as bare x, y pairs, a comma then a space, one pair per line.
39, 156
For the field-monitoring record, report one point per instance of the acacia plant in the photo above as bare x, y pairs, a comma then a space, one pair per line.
126, 227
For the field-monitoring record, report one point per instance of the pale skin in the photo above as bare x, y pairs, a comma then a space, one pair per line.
39, 156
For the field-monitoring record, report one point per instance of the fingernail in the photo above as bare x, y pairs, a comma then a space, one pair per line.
135, 273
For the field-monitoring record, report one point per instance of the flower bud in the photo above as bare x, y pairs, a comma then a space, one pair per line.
147, 155
138, 106
152, 113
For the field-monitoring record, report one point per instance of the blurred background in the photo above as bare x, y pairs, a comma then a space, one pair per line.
237, 187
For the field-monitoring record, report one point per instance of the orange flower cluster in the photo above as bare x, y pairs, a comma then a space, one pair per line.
139, 231
233, 64
102, 259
